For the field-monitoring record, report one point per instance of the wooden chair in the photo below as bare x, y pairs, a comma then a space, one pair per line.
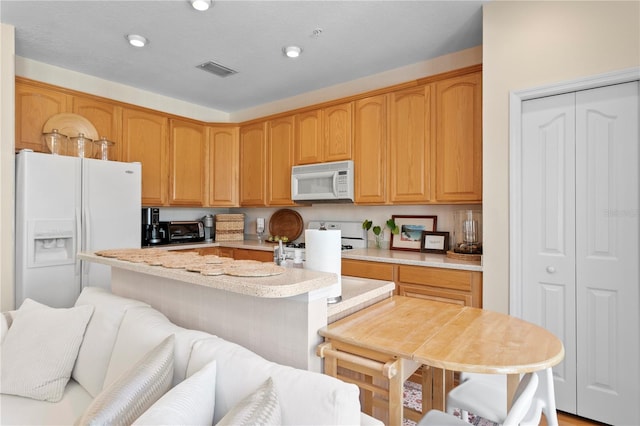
522, 401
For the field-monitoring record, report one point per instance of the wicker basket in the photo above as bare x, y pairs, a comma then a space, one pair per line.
230, 227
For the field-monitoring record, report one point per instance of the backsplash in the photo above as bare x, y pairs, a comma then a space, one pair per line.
332, 212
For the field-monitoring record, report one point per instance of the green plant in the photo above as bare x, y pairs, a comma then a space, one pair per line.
378, 230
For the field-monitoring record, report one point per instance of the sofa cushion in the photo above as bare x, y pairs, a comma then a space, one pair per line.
17, 410
40, 349
305, 397
135, 391
260, 407
191, 402
95, 351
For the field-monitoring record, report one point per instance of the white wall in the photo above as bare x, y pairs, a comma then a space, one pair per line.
525, 45
7, 166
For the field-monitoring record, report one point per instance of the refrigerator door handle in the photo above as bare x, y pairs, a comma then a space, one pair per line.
77, 243
86, 244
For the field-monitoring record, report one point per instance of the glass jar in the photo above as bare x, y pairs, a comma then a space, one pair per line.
467, 232
104, 149
80, 146
56, 142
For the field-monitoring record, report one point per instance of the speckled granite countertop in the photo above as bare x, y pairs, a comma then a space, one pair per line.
367, 254
357, 293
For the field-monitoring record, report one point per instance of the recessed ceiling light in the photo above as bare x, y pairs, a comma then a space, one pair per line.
136, 40
292, 51
201, 5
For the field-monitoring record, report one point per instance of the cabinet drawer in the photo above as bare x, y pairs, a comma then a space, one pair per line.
436, 277
372, 270
437, 294
244, 254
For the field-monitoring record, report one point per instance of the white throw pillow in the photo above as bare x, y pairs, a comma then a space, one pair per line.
40, 349
135, 390
190, 402
258, 408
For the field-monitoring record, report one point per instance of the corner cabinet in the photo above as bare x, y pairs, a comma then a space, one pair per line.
34, 105
370, 149
458, 139
144, 139
409, 145
280, 141
253, 155
186, 163
223, 163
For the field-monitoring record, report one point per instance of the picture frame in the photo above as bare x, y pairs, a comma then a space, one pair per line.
434, 242
411, 228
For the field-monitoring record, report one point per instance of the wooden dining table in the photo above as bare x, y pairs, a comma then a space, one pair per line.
443, 337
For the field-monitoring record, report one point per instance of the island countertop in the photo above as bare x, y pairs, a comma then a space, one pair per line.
292, 282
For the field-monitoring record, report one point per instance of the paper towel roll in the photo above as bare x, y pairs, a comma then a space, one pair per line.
323, 253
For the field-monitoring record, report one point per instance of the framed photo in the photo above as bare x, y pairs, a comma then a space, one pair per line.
434, 242
411, 228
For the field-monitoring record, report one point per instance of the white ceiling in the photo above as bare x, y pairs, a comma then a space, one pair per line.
356, 39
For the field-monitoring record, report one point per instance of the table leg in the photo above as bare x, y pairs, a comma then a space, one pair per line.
438, 397
512, 384
427, 388
396, 388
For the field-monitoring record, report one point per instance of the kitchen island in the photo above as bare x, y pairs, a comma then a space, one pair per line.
277, 316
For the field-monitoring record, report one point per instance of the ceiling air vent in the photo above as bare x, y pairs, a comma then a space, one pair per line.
217, 69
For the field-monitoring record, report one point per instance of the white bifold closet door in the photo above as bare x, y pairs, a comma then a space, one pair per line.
581, 246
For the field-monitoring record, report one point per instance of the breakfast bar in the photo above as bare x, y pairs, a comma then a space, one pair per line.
276, 316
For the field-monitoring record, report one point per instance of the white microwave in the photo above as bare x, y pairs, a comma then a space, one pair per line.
323, 182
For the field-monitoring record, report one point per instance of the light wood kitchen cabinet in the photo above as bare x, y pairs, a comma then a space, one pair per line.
186, 163
253, 155
324, 135
409, 145
366, 269
308, 140
35, 104
444, 285
280, 149
369, 150
223, 164
259, 255
441, 284
458, 139
338, 136
105, 116
144, 139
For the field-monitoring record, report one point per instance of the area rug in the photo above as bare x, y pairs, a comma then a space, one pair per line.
412, 397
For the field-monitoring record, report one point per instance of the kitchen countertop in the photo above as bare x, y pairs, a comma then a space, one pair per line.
367, 254
357, 293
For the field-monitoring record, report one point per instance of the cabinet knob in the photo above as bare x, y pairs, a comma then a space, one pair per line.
551, 269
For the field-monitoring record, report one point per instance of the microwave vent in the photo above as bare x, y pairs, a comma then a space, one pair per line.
217, 69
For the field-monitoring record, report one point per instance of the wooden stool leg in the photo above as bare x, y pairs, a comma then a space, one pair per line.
396, 387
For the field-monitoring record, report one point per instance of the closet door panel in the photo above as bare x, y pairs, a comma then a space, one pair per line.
608, 253
548, 235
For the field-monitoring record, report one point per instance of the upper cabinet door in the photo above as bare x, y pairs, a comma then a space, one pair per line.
458, 139
409, 147
186, 163
280, 159
370, 149
308, 141
105, 116
34, 106
338, 137
144, 139
223, 154
253, 155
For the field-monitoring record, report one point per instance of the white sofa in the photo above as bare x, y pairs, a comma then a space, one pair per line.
121, 331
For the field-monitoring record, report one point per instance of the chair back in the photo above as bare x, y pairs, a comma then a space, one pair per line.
522, 399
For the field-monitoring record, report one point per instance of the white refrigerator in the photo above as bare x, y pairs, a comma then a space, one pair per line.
65, 205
